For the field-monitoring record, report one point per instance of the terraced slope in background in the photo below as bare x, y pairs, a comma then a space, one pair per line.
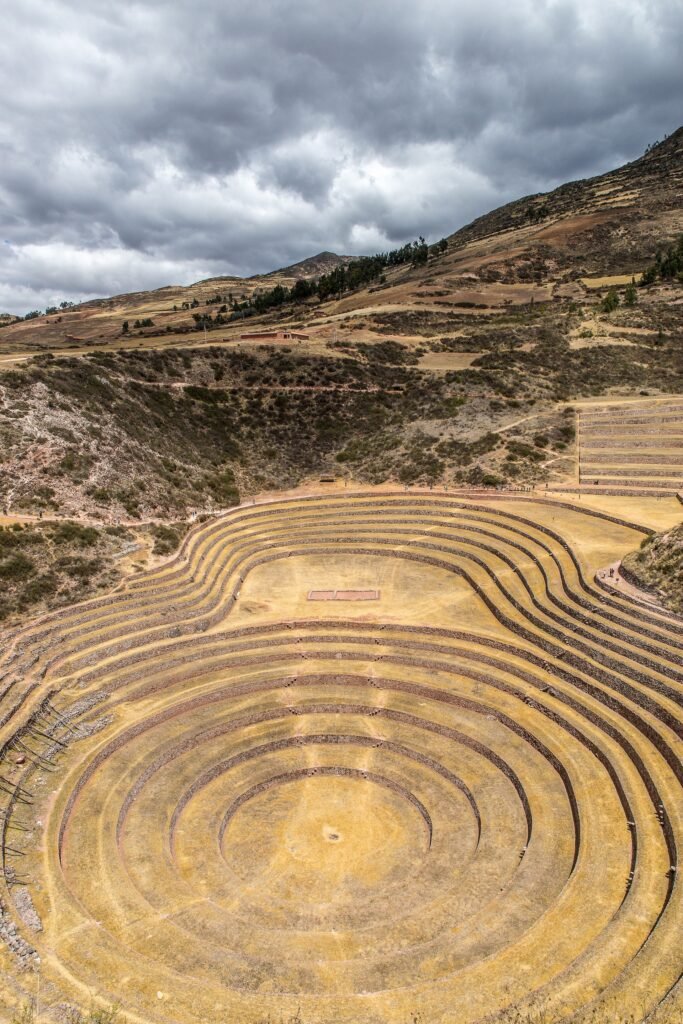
222, 801
635, 449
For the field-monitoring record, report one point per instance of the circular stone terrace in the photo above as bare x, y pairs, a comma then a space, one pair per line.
356, 758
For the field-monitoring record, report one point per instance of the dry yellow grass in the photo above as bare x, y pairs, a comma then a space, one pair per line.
443, 362
610, 280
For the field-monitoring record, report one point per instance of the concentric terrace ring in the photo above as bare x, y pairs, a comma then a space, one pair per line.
462, 802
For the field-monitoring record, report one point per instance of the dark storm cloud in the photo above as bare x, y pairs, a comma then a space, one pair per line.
149, 141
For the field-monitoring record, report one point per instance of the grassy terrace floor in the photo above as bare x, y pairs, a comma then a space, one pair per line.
226, 802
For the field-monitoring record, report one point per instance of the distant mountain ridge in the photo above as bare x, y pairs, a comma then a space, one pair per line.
536, 248
312, 266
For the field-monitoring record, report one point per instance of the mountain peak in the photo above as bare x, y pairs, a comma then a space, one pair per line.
312, 266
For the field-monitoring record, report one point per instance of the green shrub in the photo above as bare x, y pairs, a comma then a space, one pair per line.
166, 539
75, 533
39, 588
101, 494
525, 451
566, 433
611, 301
448, 407
80, 568
223, 487
17, 567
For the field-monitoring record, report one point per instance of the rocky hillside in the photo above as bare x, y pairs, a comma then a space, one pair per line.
164, 434
52, 563
658, 567
134, 435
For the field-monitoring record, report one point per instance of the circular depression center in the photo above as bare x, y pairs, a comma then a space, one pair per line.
328, 839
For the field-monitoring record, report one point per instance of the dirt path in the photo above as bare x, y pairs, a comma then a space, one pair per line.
522, 419
271, 387
611, 577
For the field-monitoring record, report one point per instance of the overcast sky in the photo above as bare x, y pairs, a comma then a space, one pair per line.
148, 142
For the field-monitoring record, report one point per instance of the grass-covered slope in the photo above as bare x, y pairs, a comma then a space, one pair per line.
52, 564
49, 564
658, 566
